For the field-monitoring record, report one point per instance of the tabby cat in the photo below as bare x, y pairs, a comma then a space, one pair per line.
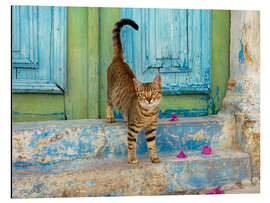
138, 102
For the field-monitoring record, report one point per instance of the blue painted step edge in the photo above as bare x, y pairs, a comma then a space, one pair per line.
56, 141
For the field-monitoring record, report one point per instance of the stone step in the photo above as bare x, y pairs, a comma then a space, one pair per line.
55, 141
83, 178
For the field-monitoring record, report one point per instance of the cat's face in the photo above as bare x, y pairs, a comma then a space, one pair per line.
148, 94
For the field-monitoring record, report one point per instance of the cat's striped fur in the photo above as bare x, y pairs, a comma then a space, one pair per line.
138, 102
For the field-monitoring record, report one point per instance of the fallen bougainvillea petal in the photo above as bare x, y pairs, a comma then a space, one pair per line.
206, 150
174, 117
181, 155
215, 191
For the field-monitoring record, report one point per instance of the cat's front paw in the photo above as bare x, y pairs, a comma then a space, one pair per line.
110, 119
155, 160
133, 161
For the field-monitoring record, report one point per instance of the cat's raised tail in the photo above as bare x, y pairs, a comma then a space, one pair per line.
116, 37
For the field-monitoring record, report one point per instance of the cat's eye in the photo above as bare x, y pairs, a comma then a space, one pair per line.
141, 95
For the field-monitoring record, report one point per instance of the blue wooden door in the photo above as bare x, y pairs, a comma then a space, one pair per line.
174, 42
38, 49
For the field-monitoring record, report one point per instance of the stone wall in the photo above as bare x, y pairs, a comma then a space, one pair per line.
243, 93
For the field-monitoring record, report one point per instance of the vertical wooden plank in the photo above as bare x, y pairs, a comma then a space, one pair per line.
24, 31
164, 25
15, 28
182, 34
189, 35
142, 39
14, 73
76, 96
93, 63
44, 43
206, 45
107, 18
196, 38
151, 30
33, 48
58, 46
220, 57
176, 35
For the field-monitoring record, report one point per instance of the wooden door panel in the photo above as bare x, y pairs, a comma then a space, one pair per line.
38, 49
173, 42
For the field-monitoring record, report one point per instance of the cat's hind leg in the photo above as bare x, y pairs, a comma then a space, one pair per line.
110, 116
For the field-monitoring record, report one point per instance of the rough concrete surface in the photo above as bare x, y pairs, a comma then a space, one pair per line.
83, 178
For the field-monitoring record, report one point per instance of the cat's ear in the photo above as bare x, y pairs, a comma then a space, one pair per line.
137, 84
157, 80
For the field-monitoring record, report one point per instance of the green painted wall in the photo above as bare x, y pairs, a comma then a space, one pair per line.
93, 62
37, 107
82, 95
221, 57
76, 96
107, 19
89, 52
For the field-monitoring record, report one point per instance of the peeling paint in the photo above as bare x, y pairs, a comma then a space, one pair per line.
247, 55
84, 178
241, 56
96, 139
243, 95
231, 84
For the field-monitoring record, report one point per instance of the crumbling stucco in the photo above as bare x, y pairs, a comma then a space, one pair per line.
243, 93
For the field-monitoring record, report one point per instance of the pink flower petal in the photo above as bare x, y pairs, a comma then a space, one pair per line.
215, 191
181, 155
206, 150
174, 117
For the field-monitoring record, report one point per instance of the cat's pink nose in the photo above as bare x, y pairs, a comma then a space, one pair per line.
149, 100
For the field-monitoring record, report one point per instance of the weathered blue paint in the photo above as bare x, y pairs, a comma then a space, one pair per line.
181, 112
35, 30
83, 178
35, 163
238, 88
24, 37
91, 183
210, 108
37, 188
37, 114
181, 52
96, 139
221, 171
241, 55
